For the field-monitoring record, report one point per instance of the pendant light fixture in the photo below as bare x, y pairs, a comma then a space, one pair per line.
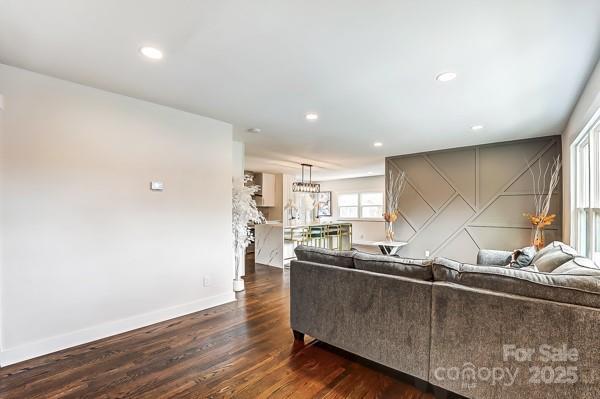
306, 187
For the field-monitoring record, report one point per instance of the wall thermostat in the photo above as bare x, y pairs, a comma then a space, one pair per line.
157, 186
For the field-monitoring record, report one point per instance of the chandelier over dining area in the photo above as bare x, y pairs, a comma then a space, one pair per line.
306, 186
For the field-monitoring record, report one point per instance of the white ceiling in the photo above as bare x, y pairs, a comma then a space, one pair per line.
367, 68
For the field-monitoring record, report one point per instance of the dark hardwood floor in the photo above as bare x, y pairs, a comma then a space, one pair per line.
239, 350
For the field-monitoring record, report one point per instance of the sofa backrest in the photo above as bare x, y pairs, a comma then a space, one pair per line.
576, 281
325, 256
419, 269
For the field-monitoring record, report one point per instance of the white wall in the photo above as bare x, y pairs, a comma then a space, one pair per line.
87, 249
238, 150
1, 230
588, 104
361, 229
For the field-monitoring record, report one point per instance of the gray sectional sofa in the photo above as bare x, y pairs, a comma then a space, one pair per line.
482, 331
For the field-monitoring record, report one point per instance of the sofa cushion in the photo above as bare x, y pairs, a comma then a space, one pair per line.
573, 284
578, 266
325, 256
552, 256
419, 269
493, 257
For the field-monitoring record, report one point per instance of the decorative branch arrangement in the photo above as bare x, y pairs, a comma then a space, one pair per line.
543, 186
244, 210
396, 181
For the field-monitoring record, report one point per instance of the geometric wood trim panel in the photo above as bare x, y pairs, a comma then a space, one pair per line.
459, 200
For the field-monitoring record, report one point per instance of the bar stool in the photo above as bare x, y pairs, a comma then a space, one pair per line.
317, 235
332, 232
345, 233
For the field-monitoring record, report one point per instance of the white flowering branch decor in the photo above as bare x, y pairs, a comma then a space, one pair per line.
244, 211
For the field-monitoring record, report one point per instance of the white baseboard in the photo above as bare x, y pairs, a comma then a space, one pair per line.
60, 342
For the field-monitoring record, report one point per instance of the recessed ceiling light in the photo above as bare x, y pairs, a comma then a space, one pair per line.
151, 52
254, 130
446, 77
477, 127
311, 116
377, 144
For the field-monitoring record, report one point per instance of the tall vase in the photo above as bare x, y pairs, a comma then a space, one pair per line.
389, 231
537, 237
238, 282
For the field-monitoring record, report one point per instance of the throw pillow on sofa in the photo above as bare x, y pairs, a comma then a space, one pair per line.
552, 256
522, 257
493, 257
578, 266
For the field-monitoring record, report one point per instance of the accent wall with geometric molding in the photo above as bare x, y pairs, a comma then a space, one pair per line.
460, 200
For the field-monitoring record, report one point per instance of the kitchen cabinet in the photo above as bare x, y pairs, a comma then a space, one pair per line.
266, 196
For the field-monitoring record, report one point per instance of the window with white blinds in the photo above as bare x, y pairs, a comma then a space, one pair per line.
586, 195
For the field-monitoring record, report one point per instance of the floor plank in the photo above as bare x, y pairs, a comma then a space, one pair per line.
239, 350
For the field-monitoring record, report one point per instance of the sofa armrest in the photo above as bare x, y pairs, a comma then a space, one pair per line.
383, 318
491, 257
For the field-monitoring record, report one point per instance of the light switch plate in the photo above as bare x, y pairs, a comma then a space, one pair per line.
157, 186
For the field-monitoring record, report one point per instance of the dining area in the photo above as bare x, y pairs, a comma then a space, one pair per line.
275, 243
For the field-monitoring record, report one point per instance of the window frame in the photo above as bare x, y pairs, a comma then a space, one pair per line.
339, 207
588, 212
360, 205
